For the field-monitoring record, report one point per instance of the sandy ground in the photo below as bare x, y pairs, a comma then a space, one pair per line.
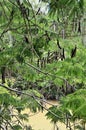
38, 121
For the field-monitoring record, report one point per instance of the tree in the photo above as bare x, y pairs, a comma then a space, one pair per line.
68, 10
32, 55
72, 107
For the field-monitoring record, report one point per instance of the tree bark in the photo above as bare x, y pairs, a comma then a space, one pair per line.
3, 74
83, 30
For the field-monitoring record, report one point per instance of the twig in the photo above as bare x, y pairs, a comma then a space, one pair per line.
3, 10
35, 98
7, 122
45, 73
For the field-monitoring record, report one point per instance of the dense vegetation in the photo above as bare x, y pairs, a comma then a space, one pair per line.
42, 56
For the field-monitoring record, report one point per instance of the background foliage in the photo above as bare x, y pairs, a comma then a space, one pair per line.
42, 56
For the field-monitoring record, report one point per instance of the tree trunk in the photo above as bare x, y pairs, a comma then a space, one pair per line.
84, 126
3, 74
83, 30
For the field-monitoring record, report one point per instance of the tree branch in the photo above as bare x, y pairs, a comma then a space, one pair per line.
45, 73
34, 97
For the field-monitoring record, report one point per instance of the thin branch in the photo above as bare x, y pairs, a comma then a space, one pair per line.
17, 91
6, 6
9, 29
18, 120
4, 10
2, 127
13, 3
5, 31
14, 90
35, 98
7, 122
48, 110
45, 73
